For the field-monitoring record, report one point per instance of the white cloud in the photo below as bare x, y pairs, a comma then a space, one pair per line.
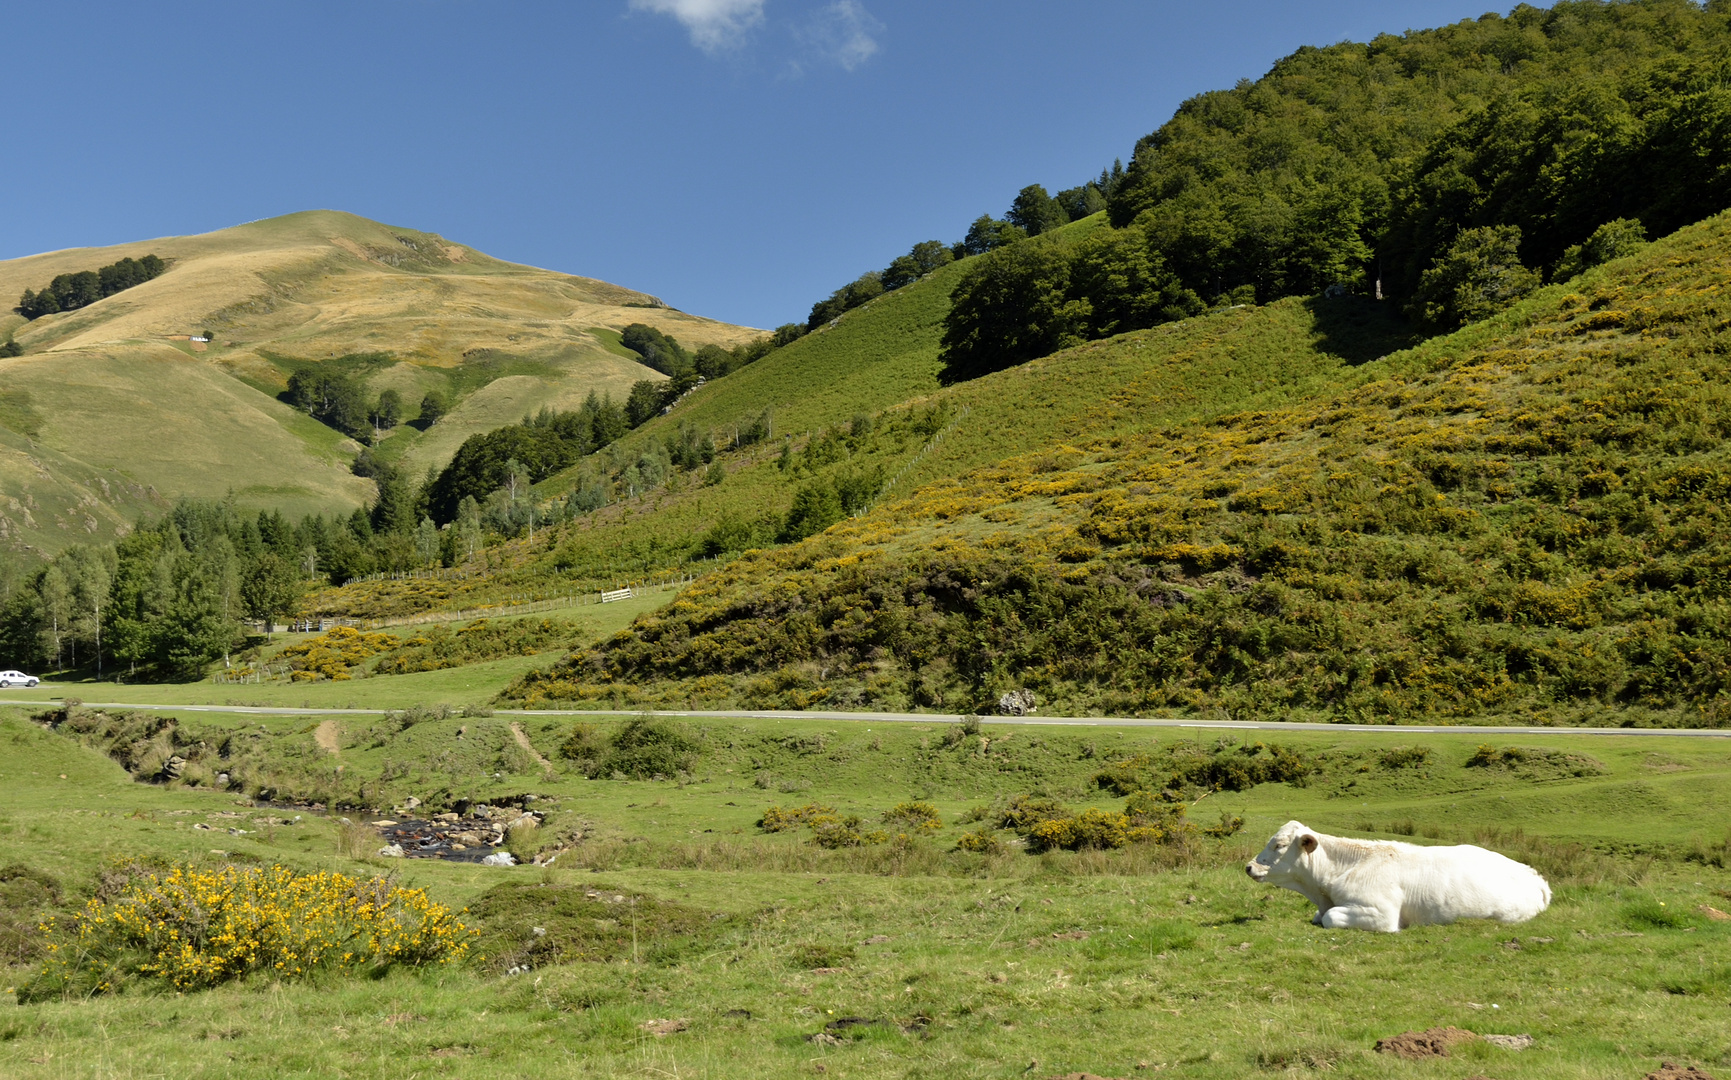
714, 25
843, 33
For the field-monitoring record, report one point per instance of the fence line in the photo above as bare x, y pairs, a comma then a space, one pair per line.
494, 611
908, 466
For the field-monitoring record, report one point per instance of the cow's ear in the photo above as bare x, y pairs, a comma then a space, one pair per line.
1308, 843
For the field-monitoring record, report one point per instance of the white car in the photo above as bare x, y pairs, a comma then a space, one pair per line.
9, 679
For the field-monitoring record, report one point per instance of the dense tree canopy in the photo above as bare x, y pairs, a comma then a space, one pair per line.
1449, 170
542, 445
69, 292
659, 351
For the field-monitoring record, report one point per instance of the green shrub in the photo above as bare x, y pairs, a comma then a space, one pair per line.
585, 746
1026, 811
915, 815
648, 747
775, 819
1228, 826
1090, 829
1405, 757
481, 640
979, 842
831, 831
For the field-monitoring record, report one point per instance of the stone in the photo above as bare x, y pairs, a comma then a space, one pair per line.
500, 858
411, 802
383, 823
1509, 1042
391, 851
1017, 702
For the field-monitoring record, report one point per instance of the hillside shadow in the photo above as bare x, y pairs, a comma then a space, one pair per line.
1358, 329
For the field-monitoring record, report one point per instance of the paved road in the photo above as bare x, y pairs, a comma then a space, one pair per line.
950, 718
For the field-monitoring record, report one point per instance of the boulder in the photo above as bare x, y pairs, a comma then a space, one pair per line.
1017, 703
391, 851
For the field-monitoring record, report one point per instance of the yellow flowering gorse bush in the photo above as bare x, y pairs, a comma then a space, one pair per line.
334, 652
197, 928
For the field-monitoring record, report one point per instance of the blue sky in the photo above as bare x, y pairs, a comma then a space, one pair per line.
738, 158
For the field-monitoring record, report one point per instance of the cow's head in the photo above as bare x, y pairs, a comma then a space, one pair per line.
1280, 861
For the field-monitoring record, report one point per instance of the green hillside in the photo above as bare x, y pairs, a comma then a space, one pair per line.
1524, 517
115, 393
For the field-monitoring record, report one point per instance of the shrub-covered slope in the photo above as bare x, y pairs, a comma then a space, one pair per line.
1524, 517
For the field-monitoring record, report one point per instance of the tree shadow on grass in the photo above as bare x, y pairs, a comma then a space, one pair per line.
1358, 329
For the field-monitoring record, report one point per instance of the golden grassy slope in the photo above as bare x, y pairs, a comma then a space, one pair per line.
115, 388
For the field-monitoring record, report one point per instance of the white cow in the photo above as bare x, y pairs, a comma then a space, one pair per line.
1387, 885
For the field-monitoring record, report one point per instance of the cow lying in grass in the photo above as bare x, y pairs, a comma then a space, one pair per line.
1387, 885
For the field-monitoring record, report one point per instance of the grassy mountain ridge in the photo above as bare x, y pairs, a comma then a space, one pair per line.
106, 383
1525, 516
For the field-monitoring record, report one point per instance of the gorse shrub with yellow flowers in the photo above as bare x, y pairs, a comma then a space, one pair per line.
331, 654
190, 929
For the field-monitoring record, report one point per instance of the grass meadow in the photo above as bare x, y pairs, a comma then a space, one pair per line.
729, 950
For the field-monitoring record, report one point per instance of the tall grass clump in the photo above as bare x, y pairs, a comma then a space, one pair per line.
189, 929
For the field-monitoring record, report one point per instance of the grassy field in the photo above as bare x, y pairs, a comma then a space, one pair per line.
1121, 963
111, 389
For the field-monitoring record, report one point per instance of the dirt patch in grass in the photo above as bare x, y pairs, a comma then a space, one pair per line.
1668, 1071
1429, 1043
522, 739
329, 737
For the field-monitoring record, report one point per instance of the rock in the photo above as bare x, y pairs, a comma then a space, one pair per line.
391, 851
1509, 1042
222, 779
663, 1028
411, 802
500, 858
448, 817
1017, 702
522, 821
383, 823
172, 768
1714, 913
468, 839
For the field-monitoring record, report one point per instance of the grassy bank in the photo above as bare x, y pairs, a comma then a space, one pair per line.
1115, 962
